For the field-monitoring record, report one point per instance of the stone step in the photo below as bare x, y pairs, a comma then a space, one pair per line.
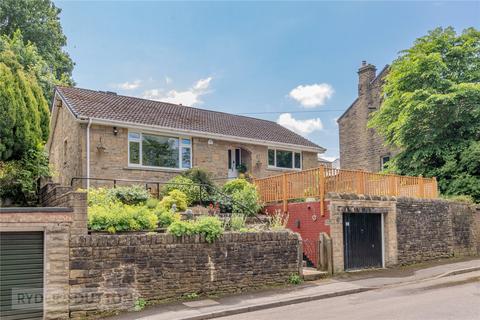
312, 274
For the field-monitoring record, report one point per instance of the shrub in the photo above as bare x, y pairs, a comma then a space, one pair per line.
176, 197
235, 185
278, 220
210, 227
152, 203
131, 195
100, 196
295, 279
459, 198
120, 217
200, 176
18, 178
246, 200
237, 222
180, 228
184, 184
166, 217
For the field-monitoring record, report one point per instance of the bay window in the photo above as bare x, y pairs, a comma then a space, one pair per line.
284, 159
152, 150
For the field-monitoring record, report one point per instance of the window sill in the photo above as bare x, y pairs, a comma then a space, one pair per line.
283, 169
140, 168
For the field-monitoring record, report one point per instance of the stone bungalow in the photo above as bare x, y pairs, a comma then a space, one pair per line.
361, 148
99, 134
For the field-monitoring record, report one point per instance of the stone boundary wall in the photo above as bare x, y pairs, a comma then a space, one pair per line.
109, 273
54, 195
433, 228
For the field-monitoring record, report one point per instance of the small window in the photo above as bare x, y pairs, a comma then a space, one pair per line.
271, 157
384, 162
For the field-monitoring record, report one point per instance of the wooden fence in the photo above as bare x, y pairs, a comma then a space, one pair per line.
319, 181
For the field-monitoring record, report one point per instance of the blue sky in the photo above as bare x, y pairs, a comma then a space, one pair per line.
248, 57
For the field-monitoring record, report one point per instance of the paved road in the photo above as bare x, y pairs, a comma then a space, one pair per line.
456, 297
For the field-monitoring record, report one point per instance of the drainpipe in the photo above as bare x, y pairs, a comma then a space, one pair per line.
88, 152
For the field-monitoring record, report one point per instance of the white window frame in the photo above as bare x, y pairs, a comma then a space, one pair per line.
181, 146
293, 159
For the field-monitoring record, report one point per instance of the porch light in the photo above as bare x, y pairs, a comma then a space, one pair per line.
115, 131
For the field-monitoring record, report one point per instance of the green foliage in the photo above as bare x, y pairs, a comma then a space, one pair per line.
210, 227
180, 228
237, 222
176, 197
184, 184
132, 195
166, 217
191, 296
431, 110
18, 179
246, 201
39, 22
140, 304
24, 113
234, 185
152, 203
277, 221
459, 198
295, 279
200, 176
116, 217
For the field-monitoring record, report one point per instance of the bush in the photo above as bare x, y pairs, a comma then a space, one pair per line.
166, 217
200, 176
176, 197
180, 228
100, 196
210, 227
235, 185
19, 178
184, 184
246, 201
131, 195
152, 203
120, 217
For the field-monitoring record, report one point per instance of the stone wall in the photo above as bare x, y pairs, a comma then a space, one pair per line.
361, 147
432, 229
110, 272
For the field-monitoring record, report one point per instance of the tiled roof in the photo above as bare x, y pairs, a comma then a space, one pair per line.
86, 103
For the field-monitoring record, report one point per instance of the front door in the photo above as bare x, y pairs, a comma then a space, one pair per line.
362, 240
234, 159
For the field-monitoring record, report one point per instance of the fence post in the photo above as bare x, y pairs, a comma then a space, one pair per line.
421, 187
435, 187
392, 185
360, 177
284, 193
321, 189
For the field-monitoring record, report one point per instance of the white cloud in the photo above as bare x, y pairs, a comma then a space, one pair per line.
302, 127
331, 159
168, 80
188, 97
312, 95
129, 85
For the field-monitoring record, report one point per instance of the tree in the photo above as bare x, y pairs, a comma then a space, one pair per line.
431, 110
24, 113
39, 22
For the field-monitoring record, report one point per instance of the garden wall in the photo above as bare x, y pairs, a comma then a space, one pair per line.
431, 229
110, 272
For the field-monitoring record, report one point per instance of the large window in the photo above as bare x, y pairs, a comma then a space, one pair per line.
151, 150
284, 159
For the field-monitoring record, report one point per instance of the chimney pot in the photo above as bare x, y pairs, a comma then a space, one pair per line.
364, 62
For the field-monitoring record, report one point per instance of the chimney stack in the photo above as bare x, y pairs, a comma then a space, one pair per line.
366, 74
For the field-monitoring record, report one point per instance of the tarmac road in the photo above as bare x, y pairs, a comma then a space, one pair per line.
455, 297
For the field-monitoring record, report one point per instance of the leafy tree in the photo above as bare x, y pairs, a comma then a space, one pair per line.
39, 22
431, 110
24, 114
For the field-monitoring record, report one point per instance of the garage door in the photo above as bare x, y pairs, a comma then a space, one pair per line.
362, 238
21, 275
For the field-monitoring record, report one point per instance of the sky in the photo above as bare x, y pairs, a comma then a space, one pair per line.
291, 62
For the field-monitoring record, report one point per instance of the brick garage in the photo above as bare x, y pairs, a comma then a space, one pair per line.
110, 272
306, 219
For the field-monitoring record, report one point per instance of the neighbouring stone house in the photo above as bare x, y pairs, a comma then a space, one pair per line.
361, 148
99, 134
